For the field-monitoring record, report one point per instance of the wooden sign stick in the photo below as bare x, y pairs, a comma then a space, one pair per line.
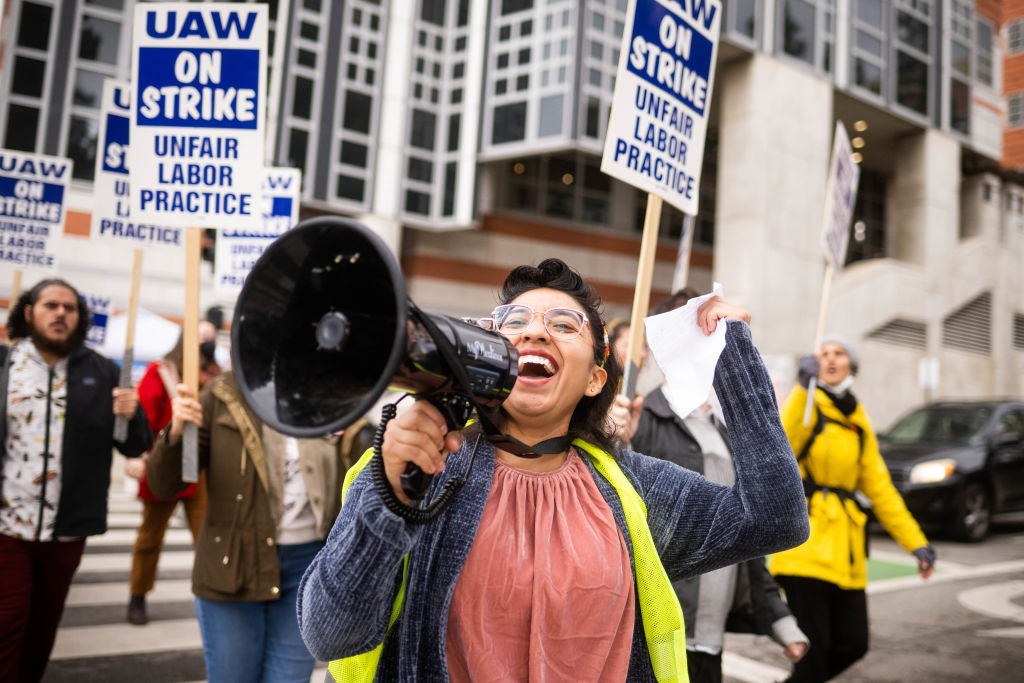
121, 422
15, 290
642, 294
819, 333
190, 349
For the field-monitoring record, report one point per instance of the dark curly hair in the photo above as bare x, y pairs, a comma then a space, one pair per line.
588, 420
18, 326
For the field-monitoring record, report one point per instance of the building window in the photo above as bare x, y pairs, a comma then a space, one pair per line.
353, 154
34, 27
302, 99
914, 54
551, 116
357, 111
798, 30
1014, 110
868, 231
22, 128
869, 40
99, 40
424, 127
806, 31
960, 106
417, 202
28, 76
742, 18
1015, 37
81, 147
509, 123
983, 40
349, 187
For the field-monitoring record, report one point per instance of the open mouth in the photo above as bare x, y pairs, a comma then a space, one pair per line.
536, 366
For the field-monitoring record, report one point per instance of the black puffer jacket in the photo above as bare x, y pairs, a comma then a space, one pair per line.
88, 443
756, 601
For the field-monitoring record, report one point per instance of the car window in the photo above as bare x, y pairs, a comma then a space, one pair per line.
1012, 423
947, 424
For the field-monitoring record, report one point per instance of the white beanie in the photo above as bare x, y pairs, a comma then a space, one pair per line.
851, 350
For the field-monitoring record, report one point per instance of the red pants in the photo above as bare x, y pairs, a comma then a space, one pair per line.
34, 581
149, 538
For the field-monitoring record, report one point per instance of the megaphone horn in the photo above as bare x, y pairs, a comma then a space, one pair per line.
323, 326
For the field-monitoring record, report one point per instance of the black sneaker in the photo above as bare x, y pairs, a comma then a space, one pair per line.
137, 610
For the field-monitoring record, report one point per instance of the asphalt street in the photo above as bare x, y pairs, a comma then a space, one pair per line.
966, 623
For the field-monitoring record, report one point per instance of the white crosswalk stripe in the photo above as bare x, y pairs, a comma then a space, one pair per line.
98, 638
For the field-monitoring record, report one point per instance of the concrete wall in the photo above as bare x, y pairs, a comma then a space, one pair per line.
772, 166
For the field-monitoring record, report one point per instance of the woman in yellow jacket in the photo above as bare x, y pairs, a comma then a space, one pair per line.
824, 578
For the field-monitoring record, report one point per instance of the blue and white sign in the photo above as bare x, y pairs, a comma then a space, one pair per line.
99, 312
198, 114
32, 192
840, 196
111, 215
659, 113
237, 250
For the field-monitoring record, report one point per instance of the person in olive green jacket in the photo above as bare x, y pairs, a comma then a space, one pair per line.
825, 578
271, 501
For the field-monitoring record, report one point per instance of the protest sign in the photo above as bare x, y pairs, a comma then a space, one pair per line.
32, 193
237, 250
111, 215
659, 114
197, 114
840, 195
99, 314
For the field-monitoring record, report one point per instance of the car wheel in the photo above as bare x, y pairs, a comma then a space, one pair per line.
973, 513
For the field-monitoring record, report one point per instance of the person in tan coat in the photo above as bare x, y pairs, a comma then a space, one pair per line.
271, 501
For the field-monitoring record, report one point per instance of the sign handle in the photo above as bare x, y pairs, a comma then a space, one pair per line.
120, 421
642, 294
190, 350
682, 271
819, 333
15, 290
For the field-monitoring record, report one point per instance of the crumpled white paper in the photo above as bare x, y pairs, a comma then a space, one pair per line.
685, 355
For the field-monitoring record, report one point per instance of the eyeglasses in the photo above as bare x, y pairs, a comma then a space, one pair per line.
561, 323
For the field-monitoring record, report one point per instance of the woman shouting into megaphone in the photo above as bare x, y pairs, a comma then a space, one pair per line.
557, 566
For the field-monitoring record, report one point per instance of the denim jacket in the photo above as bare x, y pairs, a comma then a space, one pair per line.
346, 595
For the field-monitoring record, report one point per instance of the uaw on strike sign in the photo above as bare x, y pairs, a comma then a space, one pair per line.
659, 113
32, 189
197, 114
238, 249
111, 216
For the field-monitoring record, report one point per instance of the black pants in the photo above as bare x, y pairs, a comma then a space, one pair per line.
704, 667
835, 621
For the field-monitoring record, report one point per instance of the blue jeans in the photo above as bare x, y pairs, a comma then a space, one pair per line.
259, 641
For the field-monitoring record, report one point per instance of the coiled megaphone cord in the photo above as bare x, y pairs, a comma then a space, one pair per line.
412, 515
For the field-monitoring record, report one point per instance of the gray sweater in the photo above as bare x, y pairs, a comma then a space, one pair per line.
346, 595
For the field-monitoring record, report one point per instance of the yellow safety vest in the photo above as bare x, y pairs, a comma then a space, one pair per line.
659, 606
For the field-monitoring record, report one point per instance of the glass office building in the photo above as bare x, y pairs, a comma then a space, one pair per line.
469, 133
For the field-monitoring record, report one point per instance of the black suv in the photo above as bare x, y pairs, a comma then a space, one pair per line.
958, 463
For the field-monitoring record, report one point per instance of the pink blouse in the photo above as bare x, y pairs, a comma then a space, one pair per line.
546, 593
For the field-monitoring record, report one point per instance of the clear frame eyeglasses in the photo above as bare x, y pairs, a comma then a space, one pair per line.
561, 323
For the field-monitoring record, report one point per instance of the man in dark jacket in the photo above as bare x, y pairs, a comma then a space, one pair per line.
59, 399
741, 598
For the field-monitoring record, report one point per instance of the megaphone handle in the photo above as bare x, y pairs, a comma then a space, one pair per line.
456, 410
415, 482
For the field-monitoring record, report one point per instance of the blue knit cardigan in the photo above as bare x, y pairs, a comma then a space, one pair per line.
346, 594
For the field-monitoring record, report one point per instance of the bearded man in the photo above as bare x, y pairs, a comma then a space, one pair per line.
59, 399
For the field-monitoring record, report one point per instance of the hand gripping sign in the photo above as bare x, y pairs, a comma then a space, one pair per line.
198, 114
